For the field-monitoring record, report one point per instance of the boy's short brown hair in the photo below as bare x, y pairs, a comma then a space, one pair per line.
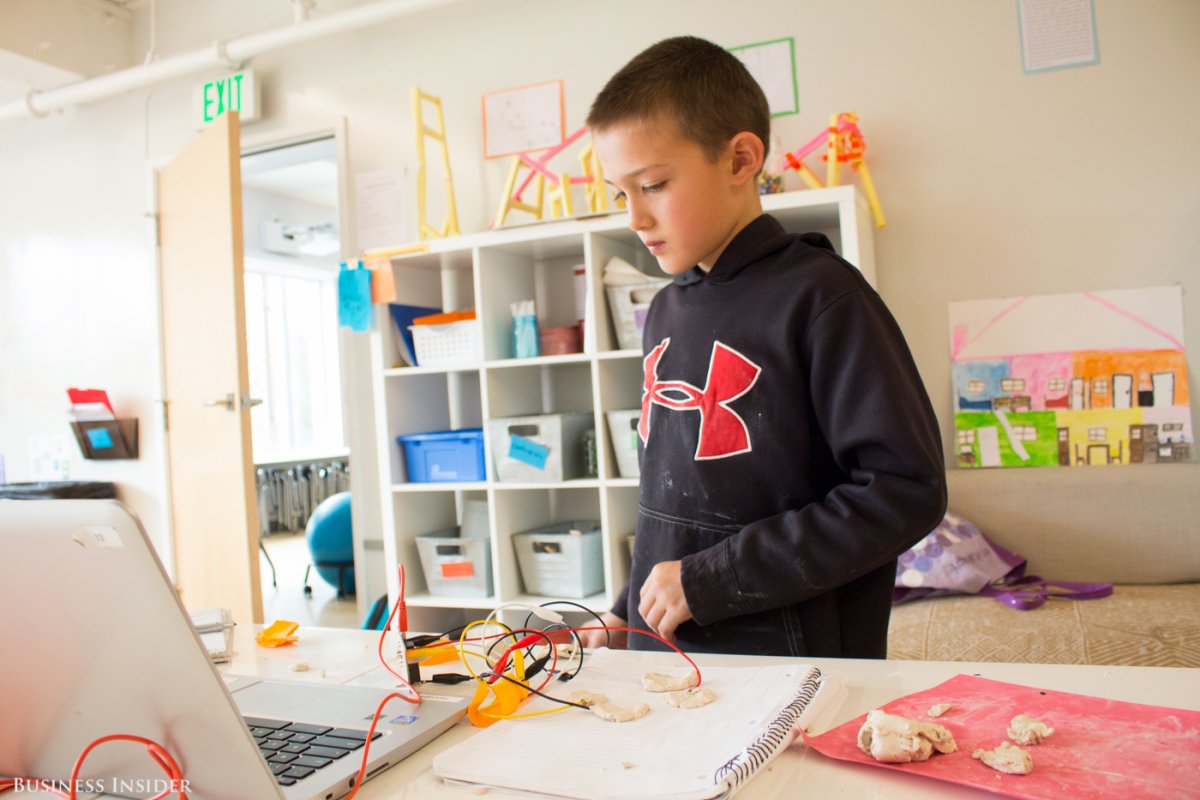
703, 88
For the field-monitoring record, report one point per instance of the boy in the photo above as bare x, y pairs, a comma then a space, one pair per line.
769, 522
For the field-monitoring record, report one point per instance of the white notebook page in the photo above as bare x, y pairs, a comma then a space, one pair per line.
669, 753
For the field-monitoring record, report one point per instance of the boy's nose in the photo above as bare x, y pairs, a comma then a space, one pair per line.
639, 220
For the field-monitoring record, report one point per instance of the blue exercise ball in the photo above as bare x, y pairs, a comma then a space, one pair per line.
331, 541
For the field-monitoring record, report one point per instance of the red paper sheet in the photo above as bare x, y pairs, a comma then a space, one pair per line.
78, 396
1099, 749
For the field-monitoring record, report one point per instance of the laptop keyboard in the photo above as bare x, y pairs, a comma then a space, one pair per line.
295, 750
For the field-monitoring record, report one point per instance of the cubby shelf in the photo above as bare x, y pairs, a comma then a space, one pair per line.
488, 271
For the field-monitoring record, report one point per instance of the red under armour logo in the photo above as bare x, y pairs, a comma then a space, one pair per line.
730, 375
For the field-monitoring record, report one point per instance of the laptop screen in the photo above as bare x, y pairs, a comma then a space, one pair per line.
96, 642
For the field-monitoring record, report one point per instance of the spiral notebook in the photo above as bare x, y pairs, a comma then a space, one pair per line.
671, 753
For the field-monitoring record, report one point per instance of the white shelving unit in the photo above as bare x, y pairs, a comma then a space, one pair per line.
487, 271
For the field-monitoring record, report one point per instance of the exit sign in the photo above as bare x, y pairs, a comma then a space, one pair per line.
238, 92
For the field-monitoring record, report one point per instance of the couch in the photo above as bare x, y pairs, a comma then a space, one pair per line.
1136, 527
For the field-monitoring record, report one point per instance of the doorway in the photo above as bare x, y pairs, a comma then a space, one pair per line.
292, 252
1122, 396
1164, 388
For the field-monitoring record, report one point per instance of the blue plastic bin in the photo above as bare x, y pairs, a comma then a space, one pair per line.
444, 455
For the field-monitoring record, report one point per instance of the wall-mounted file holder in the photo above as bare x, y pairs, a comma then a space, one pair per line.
107, 438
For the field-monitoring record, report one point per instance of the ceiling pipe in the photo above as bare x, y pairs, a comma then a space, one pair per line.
230, 54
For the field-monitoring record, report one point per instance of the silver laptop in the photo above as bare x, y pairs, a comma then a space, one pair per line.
94, 641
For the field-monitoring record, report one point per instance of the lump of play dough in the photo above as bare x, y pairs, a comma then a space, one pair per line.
615, 713
1006, 757
585, 698
1027, 730
889, 738
695, 697
657, 682
939, 709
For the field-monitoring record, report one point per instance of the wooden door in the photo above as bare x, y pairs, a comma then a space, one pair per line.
1064, 447
206, 378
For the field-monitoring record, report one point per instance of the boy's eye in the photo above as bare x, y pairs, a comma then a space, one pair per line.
654, 187
619, 196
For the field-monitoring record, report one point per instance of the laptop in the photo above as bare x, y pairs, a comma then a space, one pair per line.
95, 641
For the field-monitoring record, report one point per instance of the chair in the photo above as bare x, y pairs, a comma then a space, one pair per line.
329, 534
377, 615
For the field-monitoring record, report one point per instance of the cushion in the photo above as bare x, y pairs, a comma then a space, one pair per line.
1122, 524
1140, 625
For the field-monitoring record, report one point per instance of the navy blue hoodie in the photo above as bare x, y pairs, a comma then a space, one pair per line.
789, 452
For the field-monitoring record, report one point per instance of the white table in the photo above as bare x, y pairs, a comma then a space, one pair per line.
349, 656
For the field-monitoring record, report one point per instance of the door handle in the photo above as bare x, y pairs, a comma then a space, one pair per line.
227, 402
250, 402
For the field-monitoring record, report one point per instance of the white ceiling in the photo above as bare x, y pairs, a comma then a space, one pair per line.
45, 44
19, 75
305, 171
313, 182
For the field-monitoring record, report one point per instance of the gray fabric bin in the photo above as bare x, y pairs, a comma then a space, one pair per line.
563, 559
455, 566
546, 448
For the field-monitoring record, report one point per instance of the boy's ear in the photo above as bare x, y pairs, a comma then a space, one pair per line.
746, 152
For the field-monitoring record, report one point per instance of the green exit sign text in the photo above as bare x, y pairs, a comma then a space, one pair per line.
238, 92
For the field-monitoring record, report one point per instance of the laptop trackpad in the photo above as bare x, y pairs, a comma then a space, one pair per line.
348, 706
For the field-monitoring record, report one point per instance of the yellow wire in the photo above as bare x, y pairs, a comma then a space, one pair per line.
462, 639
518, 667
554, 710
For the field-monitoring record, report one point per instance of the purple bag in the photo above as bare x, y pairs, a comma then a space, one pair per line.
957, 558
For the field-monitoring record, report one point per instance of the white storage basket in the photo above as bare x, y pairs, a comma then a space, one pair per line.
448, 344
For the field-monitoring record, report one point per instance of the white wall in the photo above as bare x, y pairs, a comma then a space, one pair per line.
995, 183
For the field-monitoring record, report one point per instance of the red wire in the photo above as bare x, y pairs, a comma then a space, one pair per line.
401, 607
533, 638
157, 752
652, 634
362, 768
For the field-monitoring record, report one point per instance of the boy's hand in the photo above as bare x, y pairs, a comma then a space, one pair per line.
614, 639
663, 605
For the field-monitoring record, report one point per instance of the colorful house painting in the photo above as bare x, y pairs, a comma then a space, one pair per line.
1087, 378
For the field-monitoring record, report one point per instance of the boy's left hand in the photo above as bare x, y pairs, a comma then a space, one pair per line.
663, 605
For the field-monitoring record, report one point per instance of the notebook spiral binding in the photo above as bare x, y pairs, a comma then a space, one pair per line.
744, 765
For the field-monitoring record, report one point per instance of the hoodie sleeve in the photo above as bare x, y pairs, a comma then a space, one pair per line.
872, 409
620, 605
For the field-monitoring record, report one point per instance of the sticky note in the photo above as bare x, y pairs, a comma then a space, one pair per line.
383, 282
99, 438
528, 451
354, 298
457, 569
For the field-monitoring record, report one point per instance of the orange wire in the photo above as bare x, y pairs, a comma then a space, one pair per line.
156, 751
402, 609
362, 768
651, 634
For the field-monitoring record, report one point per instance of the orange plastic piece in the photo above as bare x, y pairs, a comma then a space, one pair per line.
444, 318
508, 697
278, 634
